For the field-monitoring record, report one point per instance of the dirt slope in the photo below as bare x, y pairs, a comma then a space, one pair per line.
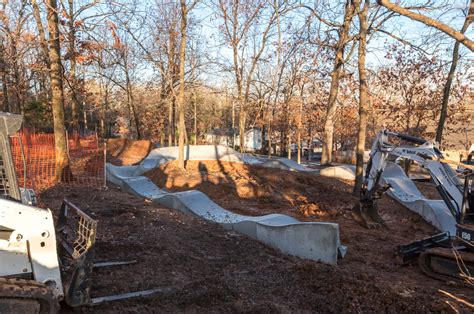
125, 152
248, 189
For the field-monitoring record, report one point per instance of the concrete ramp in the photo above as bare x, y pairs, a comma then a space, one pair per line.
405, 191
311, 240
159, 156
284, 164
315, 241
345, 172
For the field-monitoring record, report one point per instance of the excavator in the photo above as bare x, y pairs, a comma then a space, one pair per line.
42, 263
443, 255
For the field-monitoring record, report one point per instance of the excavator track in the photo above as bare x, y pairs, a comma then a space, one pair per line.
26, 296
448, 263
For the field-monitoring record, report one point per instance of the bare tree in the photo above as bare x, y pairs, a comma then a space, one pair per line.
452, 70
57, 101
182, 62
238, 17
362, 13
3, 73
326, 157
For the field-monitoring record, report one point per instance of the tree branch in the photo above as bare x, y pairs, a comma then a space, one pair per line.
458, 36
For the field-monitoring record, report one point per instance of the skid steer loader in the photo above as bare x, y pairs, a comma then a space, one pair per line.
442, 255
42, 264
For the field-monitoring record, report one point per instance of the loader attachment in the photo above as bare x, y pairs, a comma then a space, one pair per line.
76, 235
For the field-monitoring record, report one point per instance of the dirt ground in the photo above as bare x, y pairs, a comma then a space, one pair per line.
253, 190
203, 267
125, 152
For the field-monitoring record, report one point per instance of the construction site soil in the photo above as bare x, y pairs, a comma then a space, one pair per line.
125, 152
202, 267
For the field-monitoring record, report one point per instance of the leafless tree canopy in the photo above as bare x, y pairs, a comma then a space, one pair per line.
327, 73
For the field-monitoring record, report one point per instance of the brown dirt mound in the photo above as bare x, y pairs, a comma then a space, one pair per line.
253, 190
124, 152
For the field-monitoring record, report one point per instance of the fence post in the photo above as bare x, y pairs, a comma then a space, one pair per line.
105, 164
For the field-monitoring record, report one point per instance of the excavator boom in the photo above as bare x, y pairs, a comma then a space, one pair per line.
443, 254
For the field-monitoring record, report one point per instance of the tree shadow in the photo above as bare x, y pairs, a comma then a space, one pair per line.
254, 191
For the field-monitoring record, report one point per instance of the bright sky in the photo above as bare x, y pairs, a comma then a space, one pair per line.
403, 27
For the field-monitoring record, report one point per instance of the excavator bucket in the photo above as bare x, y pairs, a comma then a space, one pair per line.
367, 214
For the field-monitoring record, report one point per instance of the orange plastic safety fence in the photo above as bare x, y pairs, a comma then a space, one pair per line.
37, 153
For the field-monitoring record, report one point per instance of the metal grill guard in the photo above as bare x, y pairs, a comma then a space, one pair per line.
76, 234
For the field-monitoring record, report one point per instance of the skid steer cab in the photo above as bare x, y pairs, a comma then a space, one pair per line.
42, 264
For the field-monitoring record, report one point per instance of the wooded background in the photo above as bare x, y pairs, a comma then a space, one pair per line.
173, 71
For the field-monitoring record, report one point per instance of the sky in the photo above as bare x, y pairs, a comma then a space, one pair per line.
403, 27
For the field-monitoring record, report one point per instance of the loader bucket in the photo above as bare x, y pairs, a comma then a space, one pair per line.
367, 214
76, 233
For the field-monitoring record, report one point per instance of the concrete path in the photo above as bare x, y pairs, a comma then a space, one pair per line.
311, 240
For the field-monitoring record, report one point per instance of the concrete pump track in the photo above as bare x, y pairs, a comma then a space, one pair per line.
311, 240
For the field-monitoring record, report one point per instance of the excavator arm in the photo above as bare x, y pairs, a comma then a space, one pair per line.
426, 154
442, 255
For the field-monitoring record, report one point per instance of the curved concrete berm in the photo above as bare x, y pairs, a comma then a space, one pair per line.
312, 240
405, 191
345, 172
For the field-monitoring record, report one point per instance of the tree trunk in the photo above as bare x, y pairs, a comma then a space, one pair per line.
233, 124
269, 141
73, 84
17, 80
130, 99
3, 71
195, 119
326, 156
170, 123
63, 172
289, 143
300, 126
182, 60
449, 80
282, 144
45, 51
41, 32
363, 101
6, 107
242, 117
175, 130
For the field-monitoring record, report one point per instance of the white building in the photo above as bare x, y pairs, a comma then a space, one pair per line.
253, 138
